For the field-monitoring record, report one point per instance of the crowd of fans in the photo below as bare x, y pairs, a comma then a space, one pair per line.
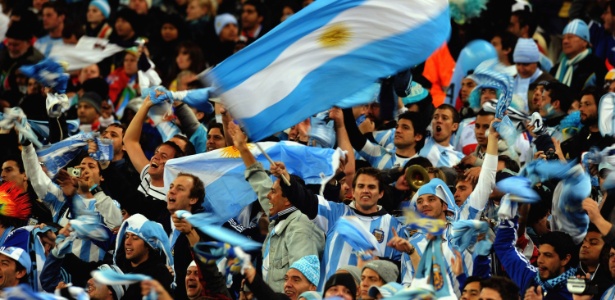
535, 208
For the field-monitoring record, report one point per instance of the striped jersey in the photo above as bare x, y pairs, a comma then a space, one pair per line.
381, 158
440, 156
147, 189
337, 252
609, 294
385, 138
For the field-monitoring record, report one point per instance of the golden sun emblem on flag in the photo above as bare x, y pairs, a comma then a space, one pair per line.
232, 152
335, 35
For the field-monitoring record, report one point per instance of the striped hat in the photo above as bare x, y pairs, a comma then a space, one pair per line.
578, 28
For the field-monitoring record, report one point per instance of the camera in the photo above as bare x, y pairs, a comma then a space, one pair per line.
74, 172
550, 154
581, 286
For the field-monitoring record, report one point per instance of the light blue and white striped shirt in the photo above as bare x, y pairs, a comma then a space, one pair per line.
440, 156
609, 294
337, 252
381, 158
385, 138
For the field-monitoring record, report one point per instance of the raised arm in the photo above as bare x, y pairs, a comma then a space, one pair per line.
606, 228
255, 173
357, 140
226, 120
133, 134
486, 179
518, 268
187, 119
337, 115
52, 195
300, 196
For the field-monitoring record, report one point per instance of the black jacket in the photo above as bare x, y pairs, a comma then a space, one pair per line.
589, 66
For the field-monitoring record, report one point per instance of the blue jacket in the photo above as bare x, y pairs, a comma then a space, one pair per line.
519, 269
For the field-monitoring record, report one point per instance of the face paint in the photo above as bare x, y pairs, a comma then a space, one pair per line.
549, 109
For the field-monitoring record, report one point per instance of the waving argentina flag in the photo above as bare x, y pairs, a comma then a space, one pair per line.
328, 51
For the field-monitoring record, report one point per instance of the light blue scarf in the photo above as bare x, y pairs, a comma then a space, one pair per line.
433, 267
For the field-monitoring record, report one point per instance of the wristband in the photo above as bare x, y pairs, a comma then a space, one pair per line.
95, 189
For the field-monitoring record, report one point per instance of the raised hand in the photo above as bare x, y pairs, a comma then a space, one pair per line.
238, 137
336, 114
399, 243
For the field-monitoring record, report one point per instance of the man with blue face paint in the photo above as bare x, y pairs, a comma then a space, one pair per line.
556, 100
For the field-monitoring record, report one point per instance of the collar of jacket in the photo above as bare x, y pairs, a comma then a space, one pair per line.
283, 214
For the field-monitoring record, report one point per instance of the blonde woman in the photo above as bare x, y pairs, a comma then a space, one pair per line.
201, 10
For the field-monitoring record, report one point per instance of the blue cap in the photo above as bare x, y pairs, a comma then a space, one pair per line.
578, 28
19, 255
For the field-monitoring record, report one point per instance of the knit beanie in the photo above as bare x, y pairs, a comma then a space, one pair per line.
385, 269
103, 6
309, 266
578, 28
92, 99
342, 279
352, 270
131, 17
526, 52
222, 20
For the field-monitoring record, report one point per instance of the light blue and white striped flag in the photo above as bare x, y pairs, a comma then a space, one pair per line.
222, 172
324, 53
60, 154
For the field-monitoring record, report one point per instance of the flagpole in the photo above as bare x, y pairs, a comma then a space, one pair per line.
272, 162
